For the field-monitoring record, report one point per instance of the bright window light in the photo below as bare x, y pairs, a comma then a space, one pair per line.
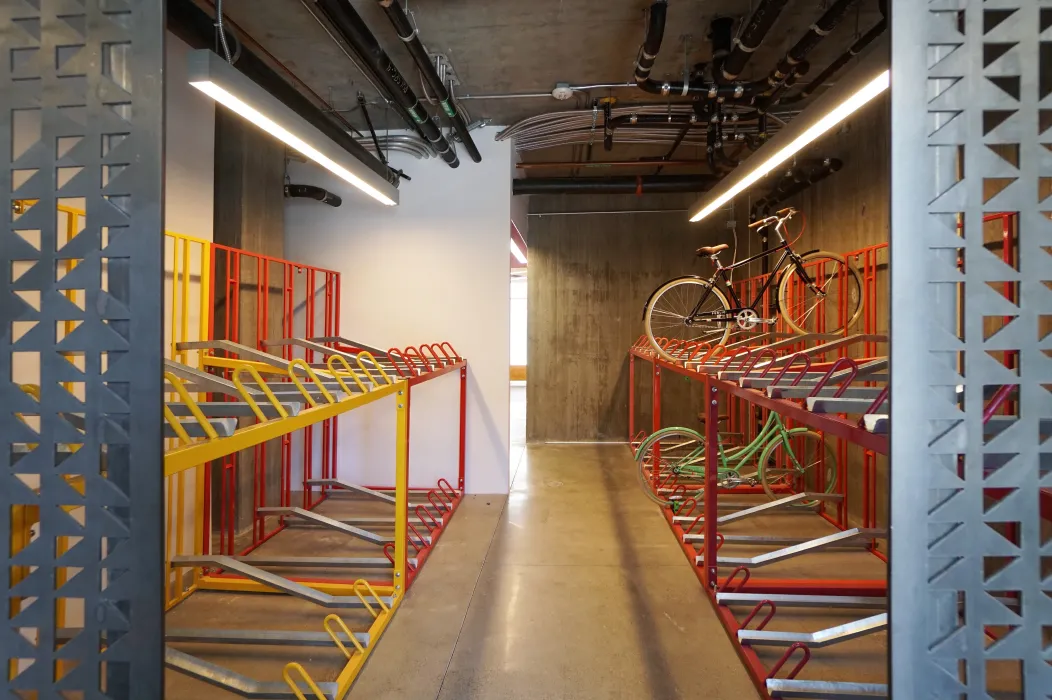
517, 252
840, 113
237, 92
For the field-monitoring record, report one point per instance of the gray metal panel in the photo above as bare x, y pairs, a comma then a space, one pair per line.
966, 77
81, 106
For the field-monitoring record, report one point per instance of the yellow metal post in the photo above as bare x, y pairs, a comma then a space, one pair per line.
401, 490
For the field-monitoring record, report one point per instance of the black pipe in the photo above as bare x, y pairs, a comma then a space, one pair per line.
721, 36
194, 26
408, 34
349, 24
648, 53
369, 123
608, 130
643, 184
855, 49
751, 37
652, 120
792, 183
312, 192
796, 55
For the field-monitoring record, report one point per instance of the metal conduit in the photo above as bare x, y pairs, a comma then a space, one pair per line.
402, 143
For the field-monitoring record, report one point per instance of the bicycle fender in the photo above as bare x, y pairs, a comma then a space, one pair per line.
674, 279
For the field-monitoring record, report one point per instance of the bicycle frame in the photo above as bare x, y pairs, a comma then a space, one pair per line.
738, 455
722, 273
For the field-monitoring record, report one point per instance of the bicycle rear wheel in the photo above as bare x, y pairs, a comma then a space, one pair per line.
808, 464
670, 452
833, 304
669, 308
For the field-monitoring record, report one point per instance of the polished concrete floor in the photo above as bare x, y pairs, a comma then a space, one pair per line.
571, 588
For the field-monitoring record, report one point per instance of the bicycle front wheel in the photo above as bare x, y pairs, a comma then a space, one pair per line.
801, 459
668, 456
667, 316
833, 303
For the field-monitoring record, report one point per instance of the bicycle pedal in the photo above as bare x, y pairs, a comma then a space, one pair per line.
768, 321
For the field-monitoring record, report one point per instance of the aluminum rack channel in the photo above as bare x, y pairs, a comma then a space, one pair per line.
381, 602
805, 592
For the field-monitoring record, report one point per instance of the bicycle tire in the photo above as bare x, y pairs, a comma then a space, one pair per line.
854, 286
665, 289
641, 459
764, 472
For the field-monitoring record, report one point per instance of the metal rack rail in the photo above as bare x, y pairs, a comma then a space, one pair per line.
789, 376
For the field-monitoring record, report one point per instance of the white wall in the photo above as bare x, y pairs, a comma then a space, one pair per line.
189, 149
188, 193
518, 321
434, 268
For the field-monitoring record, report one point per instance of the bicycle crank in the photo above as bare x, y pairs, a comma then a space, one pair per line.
748, 319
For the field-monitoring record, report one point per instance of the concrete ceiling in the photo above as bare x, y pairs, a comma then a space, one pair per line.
515, 46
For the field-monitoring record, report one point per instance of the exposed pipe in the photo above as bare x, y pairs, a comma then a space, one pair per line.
610, 164
642, 184
752, 36
409, 35
620, 211
721, 36
648, 53
798, 179
403, 143
349, 24
855, 49
369, 123
367, 70
313, 192
244, 40
819, 30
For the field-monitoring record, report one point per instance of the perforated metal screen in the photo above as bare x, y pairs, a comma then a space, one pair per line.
81, 104
971, 560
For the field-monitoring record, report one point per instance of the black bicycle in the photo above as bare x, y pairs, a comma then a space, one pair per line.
818, 292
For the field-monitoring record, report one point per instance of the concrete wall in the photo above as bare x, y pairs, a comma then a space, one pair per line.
433, 268
590, 276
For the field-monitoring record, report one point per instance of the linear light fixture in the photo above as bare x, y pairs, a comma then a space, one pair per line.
210, 74
834, 109
517, 252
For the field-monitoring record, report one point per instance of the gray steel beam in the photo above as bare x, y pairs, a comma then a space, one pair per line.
235, 409
783, 502
278, 583
321, 562
224, 427
810, 547
792, 600
816, 640
325, 522
355, 488
236, 683
279, 638
824, 690
802, 392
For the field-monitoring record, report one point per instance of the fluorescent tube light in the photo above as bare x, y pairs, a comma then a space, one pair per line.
210, 74
517, 253
841, 112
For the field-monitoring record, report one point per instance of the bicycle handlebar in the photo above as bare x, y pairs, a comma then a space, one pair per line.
780, 216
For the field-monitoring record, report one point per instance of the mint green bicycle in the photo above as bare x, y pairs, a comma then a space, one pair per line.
779, 459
